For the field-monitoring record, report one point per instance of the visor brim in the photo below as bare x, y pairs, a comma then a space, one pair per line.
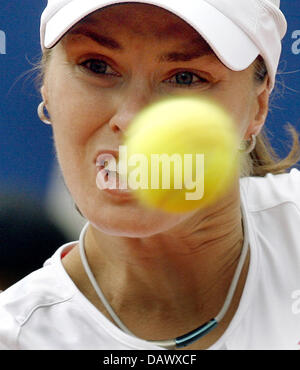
230, 43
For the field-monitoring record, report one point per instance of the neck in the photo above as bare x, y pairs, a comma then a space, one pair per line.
185, 272
185, 263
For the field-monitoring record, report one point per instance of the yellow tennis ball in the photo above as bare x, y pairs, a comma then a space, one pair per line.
182, 154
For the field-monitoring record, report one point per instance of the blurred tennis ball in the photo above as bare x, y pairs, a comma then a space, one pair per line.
182, 154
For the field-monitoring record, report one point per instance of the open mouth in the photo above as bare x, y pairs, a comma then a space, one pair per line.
107, 161
108, 178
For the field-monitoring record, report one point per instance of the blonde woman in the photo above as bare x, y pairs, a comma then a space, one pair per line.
225, 277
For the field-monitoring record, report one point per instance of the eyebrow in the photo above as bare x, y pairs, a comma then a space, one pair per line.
100, 39
195, 48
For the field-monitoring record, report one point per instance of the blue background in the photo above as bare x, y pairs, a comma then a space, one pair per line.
26, 149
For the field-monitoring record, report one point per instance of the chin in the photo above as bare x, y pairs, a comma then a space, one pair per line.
134, 223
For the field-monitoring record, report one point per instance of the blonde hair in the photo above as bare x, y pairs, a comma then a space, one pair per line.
263, 159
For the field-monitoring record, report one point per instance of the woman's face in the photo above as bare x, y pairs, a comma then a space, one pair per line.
108, 68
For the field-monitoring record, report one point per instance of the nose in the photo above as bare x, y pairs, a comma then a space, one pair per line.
127, 106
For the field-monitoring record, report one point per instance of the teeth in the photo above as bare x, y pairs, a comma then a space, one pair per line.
111, 167
108, 164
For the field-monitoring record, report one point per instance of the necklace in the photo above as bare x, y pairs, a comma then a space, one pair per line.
194, 335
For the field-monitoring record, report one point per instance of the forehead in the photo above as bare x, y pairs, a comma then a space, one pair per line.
143, 20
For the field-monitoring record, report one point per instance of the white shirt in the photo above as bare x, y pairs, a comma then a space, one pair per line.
45, 310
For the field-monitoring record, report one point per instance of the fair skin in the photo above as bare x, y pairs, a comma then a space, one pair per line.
164, 274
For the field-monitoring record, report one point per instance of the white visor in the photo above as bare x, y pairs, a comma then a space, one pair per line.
236, 30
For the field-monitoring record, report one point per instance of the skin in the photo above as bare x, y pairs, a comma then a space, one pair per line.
163, 274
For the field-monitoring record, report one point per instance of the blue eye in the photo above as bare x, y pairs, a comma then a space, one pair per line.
97, 66
186, 79
181, 79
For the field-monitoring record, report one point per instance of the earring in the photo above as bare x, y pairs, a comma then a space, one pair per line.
248, 148
41, 113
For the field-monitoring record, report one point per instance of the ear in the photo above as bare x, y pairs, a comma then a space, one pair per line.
44, 94
260, 109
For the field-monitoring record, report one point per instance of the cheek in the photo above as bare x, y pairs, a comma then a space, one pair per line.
78, 114
237, 97
77, 111
241, 110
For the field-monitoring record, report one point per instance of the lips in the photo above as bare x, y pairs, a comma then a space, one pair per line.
107, 163
106, 155
107, 168
107, 178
